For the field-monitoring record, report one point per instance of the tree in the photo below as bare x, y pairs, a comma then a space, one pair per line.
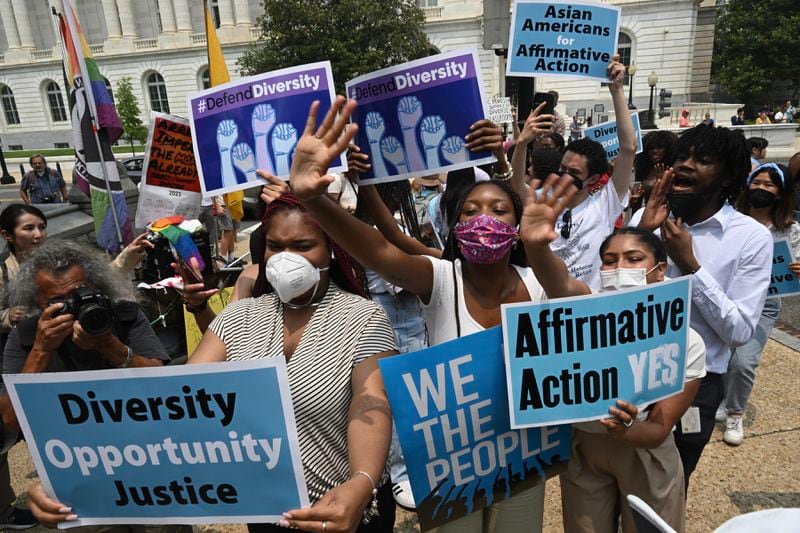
128, 109
755, 48
357, 36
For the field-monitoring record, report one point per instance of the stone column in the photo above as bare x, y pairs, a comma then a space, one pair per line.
225, 13
112, 19
242, 13
9, 25
167, 16
127, 20
23, 24
183, 17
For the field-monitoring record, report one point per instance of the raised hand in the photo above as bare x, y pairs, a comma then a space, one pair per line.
316, 150
542, 208
409, 113
616, 72
432, 130
485, 135
392, 150
284, 139
244, 160
454, 150
227, 133
274, 188
375, 130
535, 125
656, 210
357, 162
263, 119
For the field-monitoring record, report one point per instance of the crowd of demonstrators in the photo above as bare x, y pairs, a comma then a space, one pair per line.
42, 184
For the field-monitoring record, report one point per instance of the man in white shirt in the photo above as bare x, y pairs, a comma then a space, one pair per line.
728, 255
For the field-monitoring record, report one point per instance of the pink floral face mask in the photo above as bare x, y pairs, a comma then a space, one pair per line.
484, 239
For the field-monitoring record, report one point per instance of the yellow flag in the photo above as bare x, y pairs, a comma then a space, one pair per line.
218, 74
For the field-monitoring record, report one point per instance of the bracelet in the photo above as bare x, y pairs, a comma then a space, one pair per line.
195, 309
505, 176
127, 362
372, 509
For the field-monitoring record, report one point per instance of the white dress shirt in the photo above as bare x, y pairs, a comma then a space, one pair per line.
729, 290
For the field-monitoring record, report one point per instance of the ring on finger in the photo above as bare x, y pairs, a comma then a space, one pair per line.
627, 424
324, 526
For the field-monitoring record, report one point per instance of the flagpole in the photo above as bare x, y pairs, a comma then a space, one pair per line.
63, 51
92, 110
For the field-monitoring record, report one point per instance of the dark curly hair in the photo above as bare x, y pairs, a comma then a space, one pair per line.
782, 213
594, 153
663, 139
647, 238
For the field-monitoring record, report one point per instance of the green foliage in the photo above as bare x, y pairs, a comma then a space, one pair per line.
357, 36
756, 47
128, 110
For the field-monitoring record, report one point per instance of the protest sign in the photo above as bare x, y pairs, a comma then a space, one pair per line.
167, 445
255, 123
571, 359
449, 407
193, 334
500, 110
412, 118
606, 134
783, 281
170, 184
576, 39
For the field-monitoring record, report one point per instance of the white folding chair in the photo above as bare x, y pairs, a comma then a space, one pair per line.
647, 520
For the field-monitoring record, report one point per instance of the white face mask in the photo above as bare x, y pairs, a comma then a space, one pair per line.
292, 275
623, 278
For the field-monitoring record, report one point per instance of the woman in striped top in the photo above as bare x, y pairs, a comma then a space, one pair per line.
331, 338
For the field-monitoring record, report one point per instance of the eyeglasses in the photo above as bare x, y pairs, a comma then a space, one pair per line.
566, 227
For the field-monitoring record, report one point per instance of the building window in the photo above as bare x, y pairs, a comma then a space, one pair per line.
61, 145
205, 78
427, 3
213, 5
624, 49
14, 147
157, 90
9, 105
55, 100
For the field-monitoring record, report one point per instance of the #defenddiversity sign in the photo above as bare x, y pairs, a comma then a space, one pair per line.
576, 39
571, 359
168, 445
450, 411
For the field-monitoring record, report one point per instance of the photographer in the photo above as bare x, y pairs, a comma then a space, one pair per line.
86, 320
42, 185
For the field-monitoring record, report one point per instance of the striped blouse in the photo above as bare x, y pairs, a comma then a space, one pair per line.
343, 331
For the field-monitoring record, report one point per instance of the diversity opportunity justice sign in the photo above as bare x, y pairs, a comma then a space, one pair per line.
170, 185
606, 134
571, 359
167, 445
575, 39
449, 407
412, 118
255, 123
783, 281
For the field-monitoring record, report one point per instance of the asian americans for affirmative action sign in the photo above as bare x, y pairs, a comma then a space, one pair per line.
449, 407
576, 39
255, 123
413, 118
571, 359
169, 445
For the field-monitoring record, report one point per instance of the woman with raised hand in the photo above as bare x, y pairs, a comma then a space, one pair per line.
483, 266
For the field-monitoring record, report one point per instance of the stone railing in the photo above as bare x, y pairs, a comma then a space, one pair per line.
96, 49
255, 33
433, 12
198, 38
145, 44
38, 55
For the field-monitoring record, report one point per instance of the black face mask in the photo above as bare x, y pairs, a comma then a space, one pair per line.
761, 198
577, 182
686, 204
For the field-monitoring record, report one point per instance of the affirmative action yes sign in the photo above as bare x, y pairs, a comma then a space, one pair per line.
168, 445
571, 359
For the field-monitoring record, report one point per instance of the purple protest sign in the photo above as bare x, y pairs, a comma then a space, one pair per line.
255, 123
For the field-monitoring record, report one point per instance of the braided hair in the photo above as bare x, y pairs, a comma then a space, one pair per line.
344, 270
396, 196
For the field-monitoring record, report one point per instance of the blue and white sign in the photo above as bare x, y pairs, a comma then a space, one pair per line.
168, 445
255, 123
783, 282
412, 118
576, 39
449, 407
571, 359
606, 134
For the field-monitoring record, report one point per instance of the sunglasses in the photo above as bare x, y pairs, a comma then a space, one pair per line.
566, 228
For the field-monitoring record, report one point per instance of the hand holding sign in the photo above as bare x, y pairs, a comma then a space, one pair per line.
616, 73
47, 511
315, 151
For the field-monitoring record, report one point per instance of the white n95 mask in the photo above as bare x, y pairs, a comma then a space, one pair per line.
292, 275
623, 278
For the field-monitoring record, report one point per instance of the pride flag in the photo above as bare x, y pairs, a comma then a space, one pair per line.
95, 126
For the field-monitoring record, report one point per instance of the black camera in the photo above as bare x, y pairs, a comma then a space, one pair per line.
50, 199
91, 308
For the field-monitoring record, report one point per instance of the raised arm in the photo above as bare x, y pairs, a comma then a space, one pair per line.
537, 232
623, 164
313, 154
535, 125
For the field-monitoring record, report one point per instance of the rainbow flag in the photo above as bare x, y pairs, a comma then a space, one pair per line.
95, 126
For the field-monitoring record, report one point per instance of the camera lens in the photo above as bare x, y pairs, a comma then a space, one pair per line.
95, 320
